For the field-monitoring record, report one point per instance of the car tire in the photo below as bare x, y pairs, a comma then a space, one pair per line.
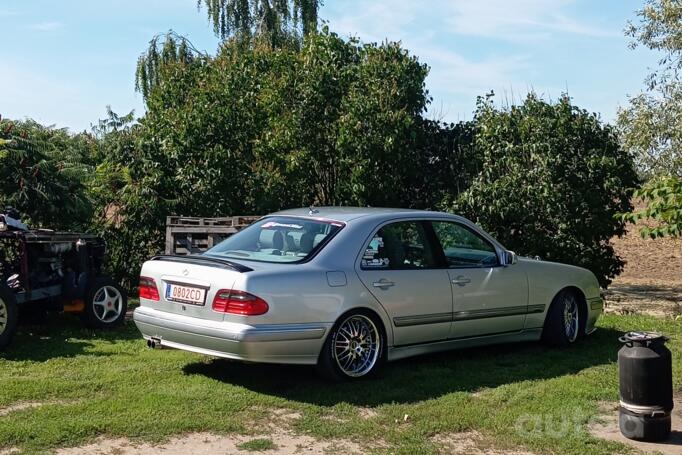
354, 349
106, 304
9, 314
563, 323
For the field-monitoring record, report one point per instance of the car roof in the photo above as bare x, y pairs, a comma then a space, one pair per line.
352, 213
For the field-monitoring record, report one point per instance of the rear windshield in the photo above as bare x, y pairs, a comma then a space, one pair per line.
277, 239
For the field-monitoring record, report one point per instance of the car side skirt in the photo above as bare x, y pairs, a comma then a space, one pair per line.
401, 352
404, 321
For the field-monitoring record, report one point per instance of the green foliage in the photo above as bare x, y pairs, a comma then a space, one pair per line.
166, 53
246, 24
663, 197
302, 127
660, 29
277, 21
345, 117
551, 179
446, 163
651, 125
42, 174
129, 214
651, 130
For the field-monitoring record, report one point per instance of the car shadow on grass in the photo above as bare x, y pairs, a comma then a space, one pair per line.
62, 335
420, 378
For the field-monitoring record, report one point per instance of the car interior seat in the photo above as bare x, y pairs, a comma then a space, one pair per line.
271, 241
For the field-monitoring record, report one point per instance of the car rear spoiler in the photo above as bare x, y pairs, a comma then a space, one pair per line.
203, 260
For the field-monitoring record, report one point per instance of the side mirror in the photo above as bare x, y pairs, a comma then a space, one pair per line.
510, 258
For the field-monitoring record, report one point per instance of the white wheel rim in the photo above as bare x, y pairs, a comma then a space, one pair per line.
107, 304
4, 317
571, 318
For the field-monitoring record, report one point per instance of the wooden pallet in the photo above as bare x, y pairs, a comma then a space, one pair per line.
186, 235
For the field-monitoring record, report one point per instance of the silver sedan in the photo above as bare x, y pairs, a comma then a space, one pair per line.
348, 289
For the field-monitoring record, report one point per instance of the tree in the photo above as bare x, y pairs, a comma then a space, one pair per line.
278, 21
43, 171
651, 126
165, 51
247, 23
551, 179
129, 214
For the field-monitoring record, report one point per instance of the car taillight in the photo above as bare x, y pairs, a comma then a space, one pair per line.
239, 302
148, 289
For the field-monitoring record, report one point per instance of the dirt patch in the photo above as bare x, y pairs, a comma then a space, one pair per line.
651, 282
30, 405
20, 407
286, 415
9, 451
367, 413
284, 443
649, 261
470, 443
653, 299
608, 429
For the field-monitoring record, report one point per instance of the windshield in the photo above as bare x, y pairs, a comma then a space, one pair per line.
277, 239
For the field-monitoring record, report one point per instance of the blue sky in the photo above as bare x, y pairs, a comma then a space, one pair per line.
63, 62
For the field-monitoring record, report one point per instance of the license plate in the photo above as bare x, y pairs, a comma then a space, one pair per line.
185, 294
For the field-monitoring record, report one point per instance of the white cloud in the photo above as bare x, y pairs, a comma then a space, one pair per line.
49, 26
377, 20
518, 19
504, 19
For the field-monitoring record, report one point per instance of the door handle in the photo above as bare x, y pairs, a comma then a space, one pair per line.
461, 280
383, 283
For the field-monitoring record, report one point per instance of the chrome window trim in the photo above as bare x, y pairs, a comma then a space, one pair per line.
499, 249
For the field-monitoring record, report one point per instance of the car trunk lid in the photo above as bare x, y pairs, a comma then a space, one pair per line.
187, 285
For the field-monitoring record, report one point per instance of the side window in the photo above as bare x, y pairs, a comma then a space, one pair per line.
463, 247
402, 245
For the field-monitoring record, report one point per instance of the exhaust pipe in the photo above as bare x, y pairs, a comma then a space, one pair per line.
154, 343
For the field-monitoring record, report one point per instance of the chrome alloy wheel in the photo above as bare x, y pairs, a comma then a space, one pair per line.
571, 318
357, 345
107, 304
4, 316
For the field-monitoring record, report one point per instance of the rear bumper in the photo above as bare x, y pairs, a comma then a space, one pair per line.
272, 343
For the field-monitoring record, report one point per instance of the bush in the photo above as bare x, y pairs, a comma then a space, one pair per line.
42, 174
552, 179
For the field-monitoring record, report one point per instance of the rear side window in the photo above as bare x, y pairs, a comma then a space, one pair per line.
277, 239
398, 246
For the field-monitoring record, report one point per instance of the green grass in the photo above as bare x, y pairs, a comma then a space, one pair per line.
94, 383
257, 445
